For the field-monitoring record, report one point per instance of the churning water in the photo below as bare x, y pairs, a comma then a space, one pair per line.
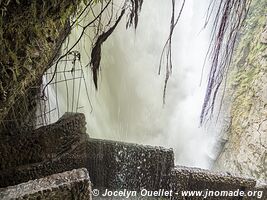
128, 105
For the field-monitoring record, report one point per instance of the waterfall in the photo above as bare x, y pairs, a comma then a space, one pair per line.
128, 106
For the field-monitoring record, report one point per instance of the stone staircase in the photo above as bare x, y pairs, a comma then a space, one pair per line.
56, 161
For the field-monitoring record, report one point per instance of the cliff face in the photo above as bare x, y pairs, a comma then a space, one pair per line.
245, 152
31, 34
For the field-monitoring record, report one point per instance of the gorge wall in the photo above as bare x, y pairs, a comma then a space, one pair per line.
245, 151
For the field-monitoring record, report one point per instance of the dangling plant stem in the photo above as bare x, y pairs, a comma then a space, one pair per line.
229, 18
167, 49
96, 52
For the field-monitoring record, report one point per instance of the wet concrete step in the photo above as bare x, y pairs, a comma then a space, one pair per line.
68, 185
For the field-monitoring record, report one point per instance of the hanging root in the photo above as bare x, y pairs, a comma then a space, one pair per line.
167, 49
131, 9
134, 8
96, 51
229, 18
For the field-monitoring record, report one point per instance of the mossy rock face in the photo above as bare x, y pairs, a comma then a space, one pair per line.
31, 34
246, 150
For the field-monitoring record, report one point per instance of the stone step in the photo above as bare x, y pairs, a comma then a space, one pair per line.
69, 185
65, 146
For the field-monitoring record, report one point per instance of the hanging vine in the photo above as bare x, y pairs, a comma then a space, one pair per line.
131, 8
229, 18
167, 49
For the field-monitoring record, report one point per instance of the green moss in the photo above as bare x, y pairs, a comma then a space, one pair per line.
29, 33
249, 63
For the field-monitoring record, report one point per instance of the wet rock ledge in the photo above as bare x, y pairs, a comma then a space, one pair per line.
55, 151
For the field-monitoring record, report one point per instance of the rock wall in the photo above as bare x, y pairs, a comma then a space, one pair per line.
245, 151
31, 35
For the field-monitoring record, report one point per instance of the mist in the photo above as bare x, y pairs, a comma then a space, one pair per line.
129, 103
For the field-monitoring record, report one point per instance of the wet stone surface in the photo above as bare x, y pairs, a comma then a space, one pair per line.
112, 165
195, 179
118, 165
69, 185
48, 150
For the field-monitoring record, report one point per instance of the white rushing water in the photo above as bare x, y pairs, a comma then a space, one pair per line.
128, 106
